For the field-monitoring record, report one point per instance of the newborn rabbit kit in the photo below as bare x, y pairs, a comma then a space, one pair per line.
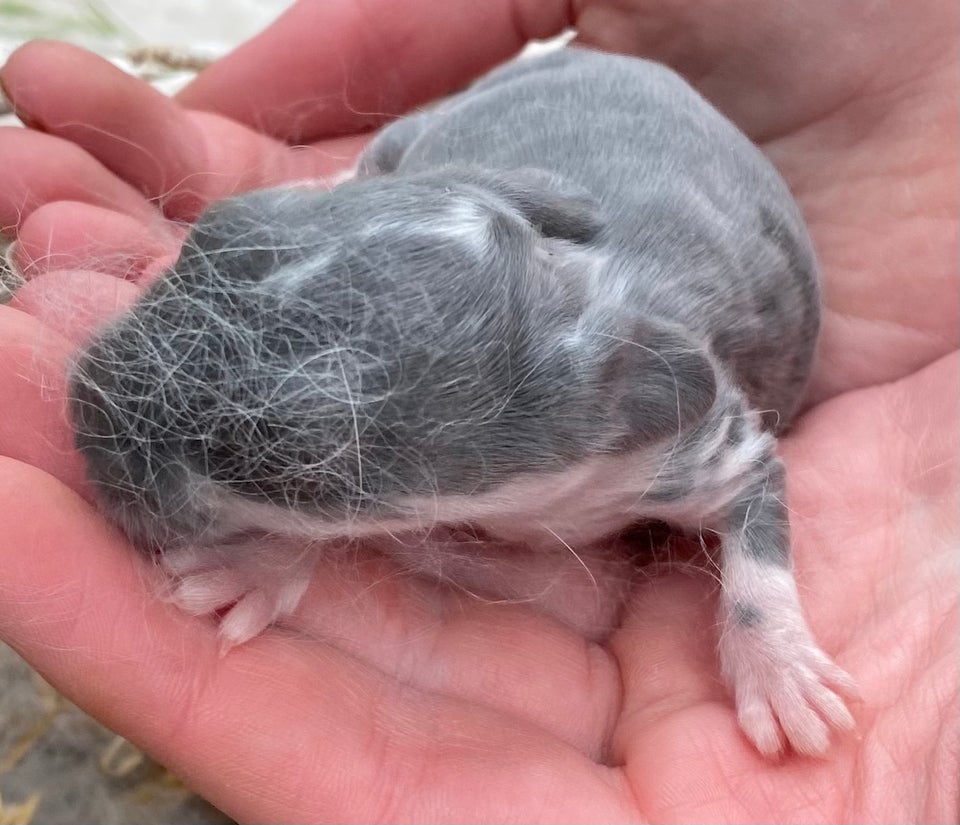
571, 298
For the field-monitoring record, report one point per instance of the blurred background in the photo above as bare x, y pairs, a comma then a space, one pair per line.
58, 765
115, 27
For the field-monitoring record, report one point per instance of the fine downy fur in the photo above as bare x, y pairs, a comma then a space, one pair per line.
572, 297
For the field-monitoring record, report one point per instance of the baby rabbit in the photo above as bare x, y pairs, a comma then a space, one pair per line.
571, 298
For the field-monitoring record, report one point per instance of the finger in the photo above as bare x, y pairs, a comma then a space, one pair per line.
676, 713
37, 169
239, 159
70, 235
181, 160
74, 302
67, 91
33, 412
669, 667
328, 68
275, 730
39, 332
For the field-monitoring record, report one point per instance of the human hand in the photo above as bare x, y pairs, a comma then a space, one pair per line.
400, 700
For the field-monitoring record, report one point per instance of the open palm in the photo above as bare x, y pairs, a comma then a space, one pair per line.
393, 698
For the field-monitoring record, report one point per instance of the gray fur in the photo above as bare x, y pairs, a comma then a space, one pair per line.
577, 257
759, 516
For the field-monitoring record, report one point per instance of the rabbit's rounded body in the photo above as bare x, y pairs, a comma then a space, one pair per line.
569, 298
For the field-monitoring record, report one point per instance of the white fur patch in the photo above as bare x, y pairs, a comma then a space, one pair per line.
466, 223
787, 691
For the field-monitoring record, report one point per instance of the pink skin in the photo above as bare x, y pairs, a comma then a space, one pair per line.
404, 701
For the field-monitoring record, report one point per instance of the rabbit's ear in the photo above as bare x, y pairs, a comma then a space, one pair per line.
554, 207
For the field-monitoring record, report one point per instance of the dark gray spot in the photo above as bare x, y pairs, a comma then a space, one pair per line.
771, 306
746, 615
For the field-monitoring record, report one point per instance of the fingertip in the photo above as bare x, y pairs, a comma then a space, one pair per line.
131, 128
19, 62
71, 235
74, 302
37, 68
